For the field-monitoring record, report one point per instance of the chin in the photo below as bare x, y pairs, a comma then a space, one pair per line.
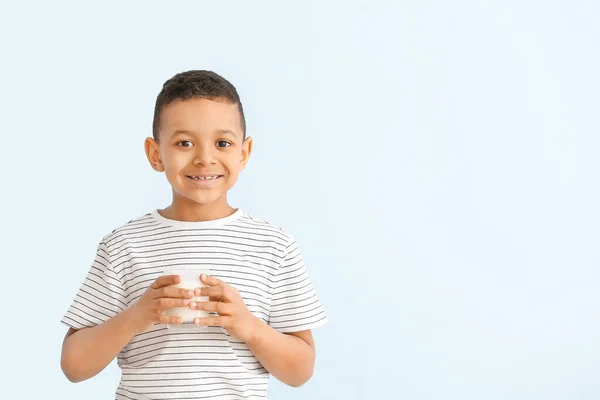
203, 199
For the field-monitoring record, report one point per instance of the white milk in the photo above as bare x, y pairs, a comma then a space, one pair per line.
190, 279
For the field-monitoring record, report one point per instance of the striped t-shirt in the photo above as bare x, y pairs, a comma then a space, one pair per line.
257, 258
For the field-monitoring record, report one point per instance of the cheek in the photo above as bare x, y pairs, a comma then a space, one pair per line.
174, 163
233, 162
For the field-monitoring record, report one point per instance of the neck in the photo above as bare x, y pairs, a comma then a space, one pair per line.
188, 210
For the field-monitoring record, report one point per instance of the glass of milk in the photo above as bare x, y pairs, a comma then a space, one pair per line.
190, 280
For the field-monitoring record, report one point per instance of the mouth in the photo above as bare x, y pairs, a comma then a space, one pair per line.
204, 180
204, 177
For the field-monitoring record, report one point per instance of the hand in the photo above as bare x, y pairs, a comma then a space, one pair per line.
226, 301
160, 296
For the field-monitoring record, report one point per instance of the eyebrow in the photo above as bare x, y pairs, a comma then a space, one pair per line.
219, 131
181, 132
226, 132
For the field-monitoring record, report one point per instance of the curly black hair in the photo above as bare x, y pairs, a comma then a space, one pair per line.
196, 84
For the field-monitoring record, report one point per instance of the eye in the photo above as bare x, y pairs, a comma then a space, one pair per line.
223, 143
185, 143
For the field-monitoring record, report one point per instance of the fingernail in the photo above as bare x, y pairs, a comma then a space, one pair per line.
193, 304
190, 293
186, 302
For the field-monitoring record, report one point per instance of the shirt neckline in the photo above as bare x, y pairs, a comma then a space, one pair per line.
197, 224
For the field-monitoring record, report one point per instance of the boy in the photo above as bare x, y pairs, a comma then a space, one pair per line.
261, 300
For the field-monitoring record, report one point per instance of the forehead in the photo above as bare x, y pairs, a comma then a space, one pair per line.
201, 116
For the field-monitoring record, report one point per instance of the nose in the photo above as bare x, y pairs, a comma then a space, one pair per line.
204, 156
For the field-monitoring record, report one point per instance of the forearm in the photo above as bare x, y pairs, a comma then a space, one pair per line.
88, 351
288, 358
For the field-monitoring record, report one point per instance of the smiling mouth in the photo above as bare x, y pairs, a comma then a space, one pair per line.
204, 177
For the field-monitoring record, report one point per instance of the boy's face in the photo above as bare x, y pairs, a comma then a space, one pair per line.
201, 149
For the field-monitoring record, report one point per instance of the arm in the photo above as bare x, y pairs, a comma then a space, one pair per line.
289, 357
88, 351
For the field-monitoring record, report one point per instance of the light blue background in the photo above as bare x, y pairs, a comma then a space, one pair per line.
437, 162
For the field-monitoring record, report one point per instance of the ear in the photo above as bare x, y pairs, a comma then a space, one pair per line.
153, 154
246, 151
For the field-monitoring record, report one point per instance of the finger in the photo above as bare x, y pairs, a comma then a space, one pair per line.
198, 293
168, 320
211, 291
211, 280
164, 303
210, 298
173, 292
213, 321
165, 281
213, 306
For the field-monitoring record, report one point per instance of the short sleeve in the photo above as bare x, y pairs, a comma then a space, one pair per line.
100, 297
294, 305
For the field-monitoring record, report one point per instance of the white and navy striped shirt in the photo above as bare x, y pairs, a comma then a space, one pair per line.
259, 259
